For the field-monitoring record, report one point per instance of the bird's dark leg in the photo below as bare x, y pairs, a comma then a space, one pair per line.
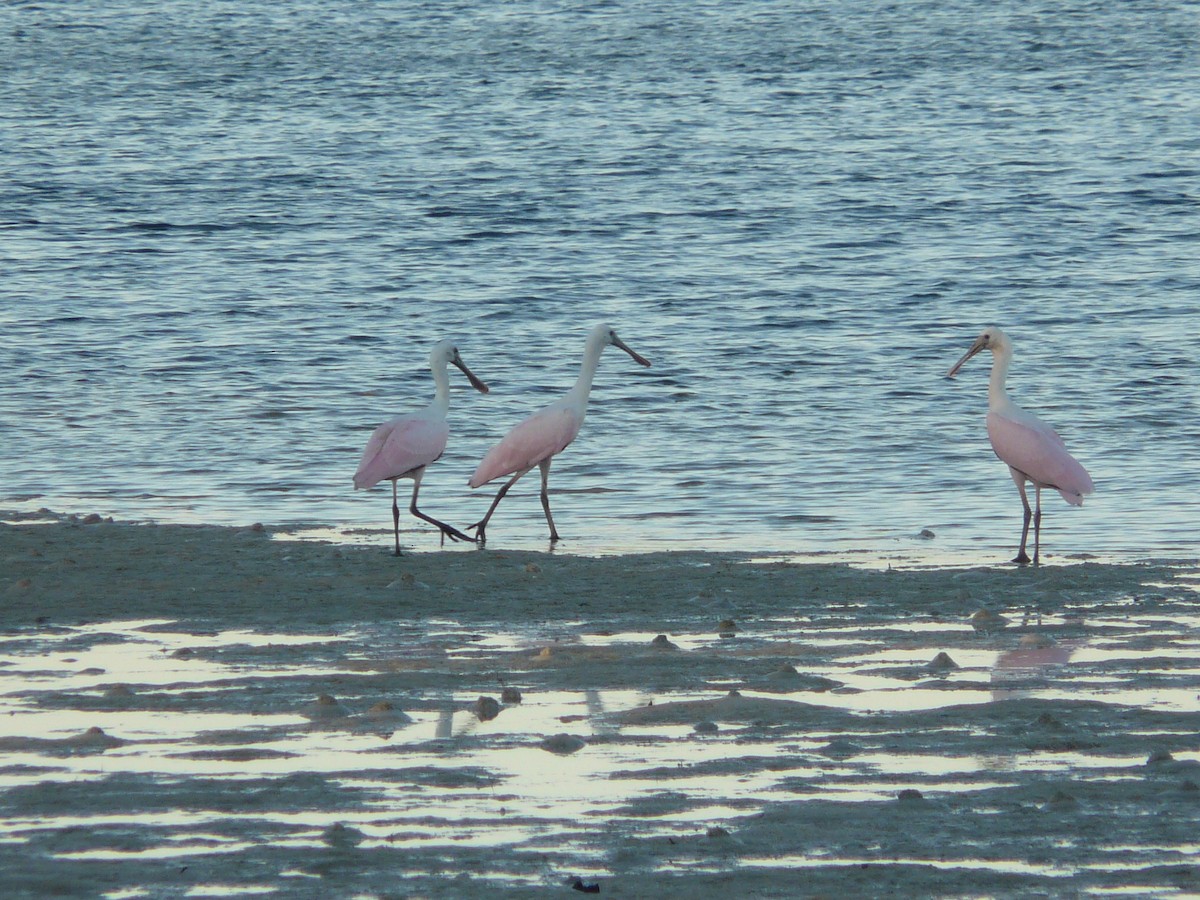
1037, 521
480, 527
396, 516
1022, 557
544, 465
448, 531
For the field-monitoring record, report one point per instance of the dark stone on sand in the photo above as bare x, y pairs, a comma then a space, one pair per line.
1062, 800
786, 678
841, 748
344, 836
563, 744
486, 708
1046, 720
942, 662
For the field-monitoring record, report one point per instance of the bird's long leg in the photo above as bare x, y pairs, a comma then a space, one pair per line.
1037, 520
448, 531
1022, 557
480, 527
396, 516
544, 465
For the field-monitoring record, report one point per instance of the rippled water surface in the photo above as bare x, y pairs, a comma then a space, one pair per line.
230, 233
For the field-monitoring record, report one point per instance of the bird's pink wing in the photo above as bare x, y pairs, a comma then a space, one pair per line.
539, 437
400, 446
1035, 449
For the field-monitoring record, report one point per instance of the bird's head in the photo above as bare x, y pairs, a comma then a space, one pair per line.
608, 336
992, 339
446, 352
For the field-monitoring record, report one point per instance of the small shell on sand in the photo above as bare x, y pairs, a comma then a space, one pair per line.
408, 580
563, 744
325, 707
384, 711
986, 620
1035, 641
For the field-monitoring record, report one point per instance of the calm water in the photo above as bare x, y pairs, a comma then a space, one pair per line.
231, 233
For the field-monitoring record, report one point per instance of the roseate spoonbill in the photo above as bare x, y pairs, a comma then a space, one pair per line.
1030, 447
402, 447
546, 433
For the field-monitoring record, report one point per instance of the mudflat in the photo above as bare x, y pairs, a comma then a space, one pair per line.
223, 709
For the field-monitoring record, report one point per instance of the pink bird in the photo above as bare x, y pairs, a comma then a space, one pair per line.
535, 441
404, 446
1030, 447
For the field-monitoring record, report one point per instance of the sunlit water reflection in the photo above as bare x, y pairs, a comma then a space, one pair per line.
194, 746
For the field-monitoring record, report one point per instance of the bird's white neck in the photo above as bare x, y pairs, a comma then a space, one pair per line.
587, 370
997, 394
441, 394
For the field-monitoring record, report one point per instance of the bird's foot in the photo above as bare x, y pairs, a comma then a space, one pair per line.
480, 533
454, 534
1021, 559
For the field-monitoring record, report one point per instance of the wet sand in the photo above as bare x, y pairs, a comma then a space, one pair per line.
223, 711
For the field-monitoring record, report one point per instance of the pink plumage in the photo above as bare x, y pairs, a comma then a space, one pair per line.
541, 436
402, 447
399, 447
1032, 449
538, 439
1036, 450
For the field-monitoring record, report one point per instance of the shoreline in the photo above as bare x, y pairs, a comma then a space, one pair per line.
63, 568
